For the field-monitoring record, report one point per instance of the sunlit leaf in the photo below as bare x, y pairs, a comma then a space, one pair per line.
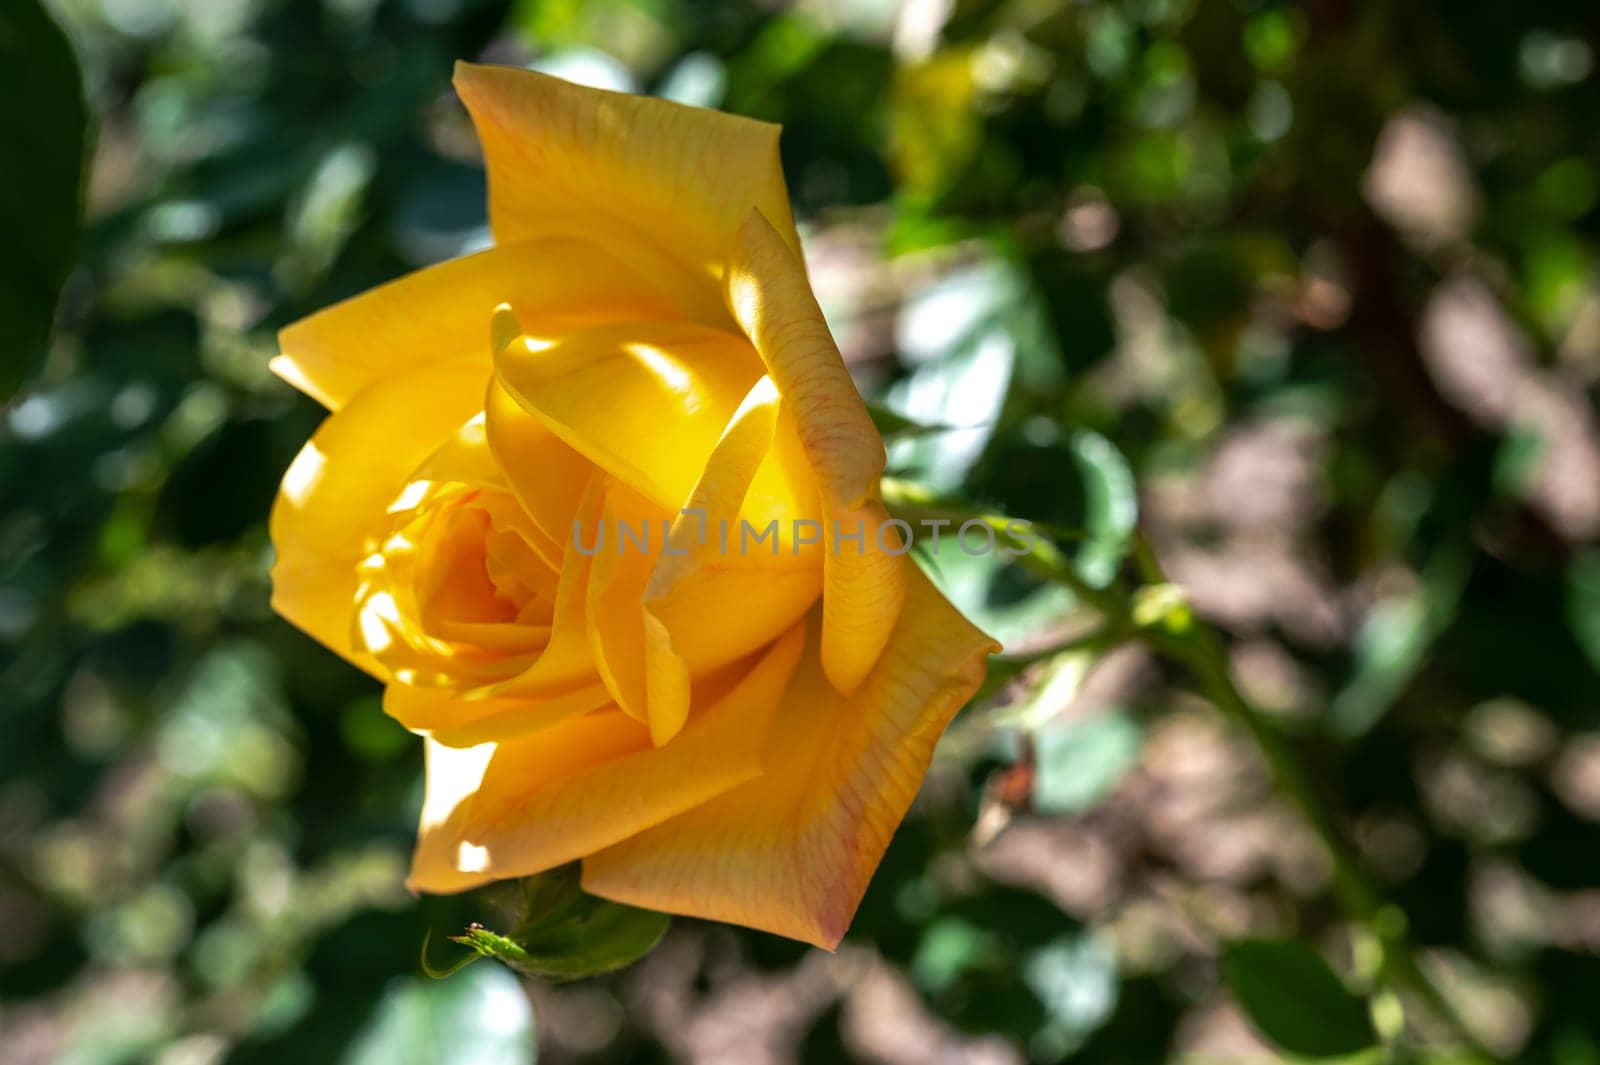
1393, 643
1076, 763
975, 576
479, 1018
1056, 684
950, 947
1075, 979
1111, 506
959, 334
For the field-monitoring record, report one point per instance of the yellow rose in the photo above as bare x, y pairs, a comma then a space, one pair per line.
729, 724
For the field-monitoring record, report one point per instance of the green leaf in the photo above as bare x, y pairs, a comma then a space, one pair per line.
1058, 683
959, 338
481, 1017
1393, 642
566, 934
1583, 603
974, 583
892, 425
1295, 999
44, 130
592, 938
1074, 978
1111, 506
1077, 763
950, 948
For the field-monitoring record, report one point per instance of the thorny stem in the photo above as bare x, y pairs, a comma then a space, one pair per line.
1157, 615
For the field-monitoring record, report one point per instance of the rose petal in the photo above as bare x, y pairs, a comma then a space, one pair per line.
546, 475
792, 850
644, 401
457, 720
688, 626
519, 807
333, 507
443, 312
665, 184
772, 300
617, 578
566, 661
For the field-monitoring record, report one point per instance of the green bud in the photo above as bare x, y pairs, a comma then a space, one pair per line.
1162, 606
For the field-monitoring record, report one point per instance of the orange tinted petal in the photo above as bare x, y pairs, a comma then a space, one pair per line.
864, 591
792, 850
773, 303
465, 458
772, 300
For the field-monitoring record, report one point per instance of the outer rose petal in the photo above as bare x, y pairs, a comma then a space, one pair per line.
792, 850
774, 304
443, 312
664, 184
771, 298
519, 807
864, 589
334, 502
644, 401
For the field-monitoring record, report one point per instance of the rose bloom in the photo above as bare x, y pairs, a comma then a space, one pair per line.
728, 733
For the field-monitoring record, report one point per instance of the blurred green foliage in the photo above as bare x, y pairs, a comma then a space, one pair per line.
1319, 279
1296, 999
41, 213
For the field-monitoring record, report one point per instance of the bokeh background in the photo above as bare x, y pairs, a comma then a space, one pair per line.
1312, 287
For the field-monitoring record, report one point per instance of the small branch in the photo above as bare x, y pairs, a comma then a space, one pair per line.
1159, 616
1003, 668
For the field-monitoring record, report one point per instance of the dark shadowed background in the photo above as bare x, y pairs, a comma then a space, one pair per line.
1320, 279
